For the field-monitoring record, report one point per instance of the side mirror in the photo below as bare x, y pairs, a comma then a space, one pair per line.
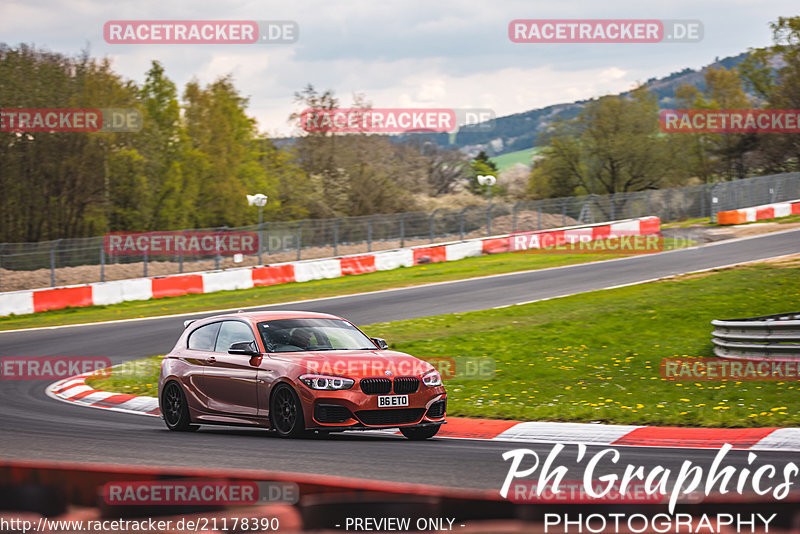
244, 348
382, 345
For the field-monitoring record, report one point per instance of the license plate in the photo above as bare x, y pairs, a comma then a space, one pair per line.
392, 401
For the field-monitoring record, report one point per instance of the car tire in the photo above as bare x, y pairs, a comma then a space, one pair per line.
418, 433
286, 413
175, 409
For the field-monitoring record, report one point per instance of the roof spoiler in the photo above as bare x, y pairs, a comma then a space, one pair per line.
187, 323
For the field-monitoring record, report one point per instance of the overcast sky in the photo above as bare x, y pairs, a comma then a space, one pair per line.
399, 53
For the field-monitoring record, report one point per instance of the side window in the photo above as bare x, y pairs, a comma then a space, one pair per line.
204, 337
232, 332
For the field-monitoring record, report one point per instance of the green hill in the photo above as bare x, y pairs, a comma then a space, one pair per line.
506, 161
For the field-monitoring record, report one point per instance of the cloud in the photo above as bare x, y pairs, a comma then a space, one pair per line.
452, 53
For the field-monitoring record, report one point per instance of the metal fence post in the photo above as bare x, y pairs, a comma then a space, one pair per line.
461, 223
268, 237
585, 209
539, 215
403, 230
2, 246
489, 219
433, 214
666, 205
102, 263
336, 236
217, 256
647, 202
144, 265
712, 205
564, 212
514, 217
260, 240
300, 238
703, 201
369, 233
611, 198
53, 263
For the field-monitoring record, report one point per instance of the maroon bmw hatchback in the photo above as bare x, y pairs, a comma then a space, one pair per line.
294, 372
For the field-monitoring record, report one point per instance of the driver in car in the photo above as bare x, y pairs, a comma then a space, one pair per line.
301, 338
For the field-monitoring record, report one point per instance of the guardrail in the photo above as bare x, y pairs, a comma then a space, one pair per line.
105, 293
774, 337
84, 260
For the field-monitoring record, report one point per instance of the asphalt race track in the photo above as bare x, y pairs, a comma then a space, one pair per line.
34, 426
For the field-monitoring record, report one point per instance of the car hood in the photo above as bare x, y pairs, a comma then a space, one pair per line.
357, 363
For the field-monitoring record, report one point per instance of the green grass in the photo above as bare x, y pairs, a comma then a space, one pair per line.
595, 357
779, 220
408, 276
137, 377
702, 221
506, 161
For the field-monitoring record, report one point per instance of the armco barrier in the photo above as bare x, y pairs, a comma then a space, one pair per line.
759, 213
305, 271
393, 259
770, 337
18, 302
273, 274
228, 279
173, 286
465, 249
104, 293
62, 297
358, 265
423, 255
496, 245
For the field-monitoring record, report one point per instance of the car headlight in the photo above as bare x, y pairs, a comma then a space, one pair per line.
327, 383
432, 379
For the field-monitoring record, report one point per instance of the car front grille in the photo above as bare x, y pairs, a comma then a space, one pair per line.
376, 386
437, 409
403, 385
390, 417
331, 413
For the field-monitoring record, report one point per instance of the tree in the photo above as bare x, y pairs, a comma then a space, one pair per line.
613, 146
716, 155
224, 140
53, 184
773, 73
354, 173
163, 142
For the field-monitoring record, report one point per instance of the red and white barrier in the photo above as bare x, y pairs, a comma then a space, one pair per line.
104, 293
759, 213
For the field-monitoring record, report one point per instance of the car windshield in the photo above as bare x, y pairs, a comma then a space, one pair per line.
300, 335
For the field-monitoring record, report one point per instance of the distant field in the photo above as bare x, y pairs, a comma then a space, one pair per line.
507, 161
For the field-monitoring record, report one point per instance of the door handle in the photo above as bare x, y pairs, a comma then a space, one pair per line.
211, 359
